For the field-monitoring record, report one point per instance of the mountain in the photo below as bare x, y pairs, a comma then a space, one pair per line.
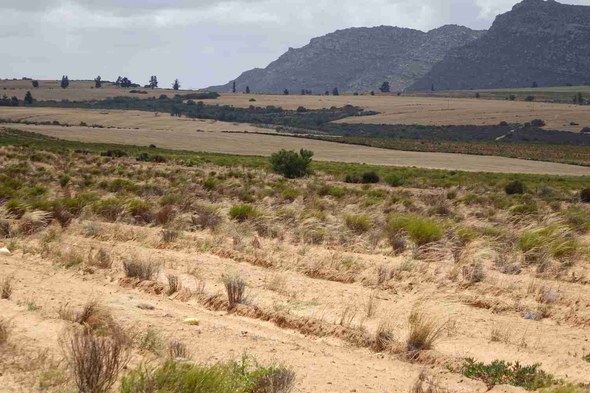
356, 59
537, 41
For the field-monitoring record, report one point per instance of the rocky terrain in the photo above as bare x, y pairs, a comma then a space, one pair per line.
373, 55
542, 43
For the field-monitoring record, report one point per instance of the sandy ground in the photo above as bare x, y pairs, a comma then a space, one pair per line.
322, 365
265, 145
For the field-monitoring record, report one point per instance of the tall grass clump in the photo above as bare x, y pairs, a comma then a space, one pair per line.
232, 377
6, 288
420, 230
3, 331
235, 287
424, 332
242, 213
141, 269
359, 224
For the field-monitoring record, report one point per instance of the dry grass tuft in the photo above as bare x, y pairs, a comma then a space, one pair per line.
141, 269
424, 332
169, 235
32, 222
6, 287
235, 288
174, 284
426, 384
178, 350
95, 361
384, 337
4, 331
101, 259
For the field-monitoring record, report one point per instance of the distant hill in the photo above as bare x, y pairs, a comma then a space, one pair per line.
538, 42
356, 59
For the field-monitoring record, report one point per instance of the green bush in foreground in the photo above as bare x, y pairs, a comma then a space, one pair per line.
420, 229
291, 164
231, 377
500, 372
243, 212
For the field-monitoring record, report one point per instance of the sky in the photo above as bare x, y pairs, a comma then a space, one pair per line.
200, 42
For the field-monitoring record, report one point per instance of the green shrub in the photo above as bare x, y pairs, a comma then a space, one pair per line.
358, 223
232, 377
395, 180
585, 195
243, 212
119, 185
500, 372
420, 229
109, 209
146, 157
332, 191
291, 164
514, 188
114, 153
140, 210
578, 219
364, 178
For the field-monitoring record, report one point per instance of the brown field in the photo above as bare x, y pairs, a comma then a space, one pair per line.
392, 109
321, 272
144, 129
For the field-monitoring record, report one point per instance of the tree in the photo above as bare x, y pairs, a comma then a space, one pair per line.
176, 85
372, 93
28, 98
247, 89
125, 82
35, 84
535, 85
291, 164
118, 82
65, 82
432, 87
153, 82
286, 92
327, 92
303, 92
335, 92
385, 87
98, 82
233, 88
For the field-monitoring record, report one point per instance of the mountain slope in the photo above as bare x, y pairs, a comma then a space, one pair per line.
356, 59
537, 41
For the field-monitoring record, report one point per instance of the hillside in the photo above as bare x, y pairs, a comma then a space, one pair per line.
373, 55
537, 41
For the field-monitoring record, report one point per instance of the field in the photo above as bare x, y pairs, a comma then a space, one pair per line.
144, 129
396, 285
392, 109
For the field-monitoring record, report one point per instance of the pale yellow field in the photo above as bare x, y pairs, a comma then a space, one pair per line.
144, 128
392, 109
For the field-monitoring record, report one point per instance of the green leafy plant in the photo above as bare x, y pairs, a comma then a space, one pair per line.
291, 164
500, 372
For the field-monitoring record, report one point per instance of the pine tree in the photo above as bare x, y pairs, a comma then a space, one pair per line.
335, 92
35, 84
118, 82
65, 82
153, 82
98, 82
286, 92
247, 89
176, 85
233, 89
385, 87
28, 98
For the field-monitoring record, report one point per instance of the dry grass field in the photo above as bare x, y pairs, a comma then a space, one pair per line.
392, 109
342, 287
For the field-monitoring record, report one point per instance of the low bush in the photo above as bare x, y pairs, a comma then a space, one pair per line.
359, 224
395, 180
243, 212
585, 195
141, 269
109, 209
514, 188
364, 178
500, 372
235, 287
424, 332
232, 377
291, 164
421, 230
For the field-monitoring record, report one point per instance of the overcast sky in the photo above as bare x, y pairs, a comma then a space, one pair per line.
201, 42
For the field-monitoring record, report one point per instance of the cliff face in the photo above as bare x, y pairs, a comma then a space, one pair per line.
356, 59
537, 41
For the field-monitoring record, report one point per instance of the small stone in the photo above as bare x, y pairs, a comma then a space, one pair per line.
5, 251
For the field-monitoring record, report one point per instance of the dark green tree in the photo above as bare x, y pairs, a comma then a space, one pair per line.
35, 84
233, 88
153, 82
125, 82
385, 87
247, 89
28, 98
98, 82
535, 85
176, 85
291, 164
118, 81
65, 82
335, 92
286, 92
